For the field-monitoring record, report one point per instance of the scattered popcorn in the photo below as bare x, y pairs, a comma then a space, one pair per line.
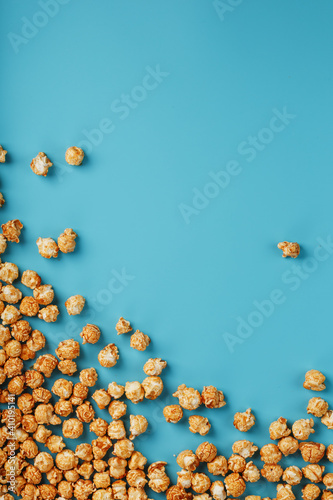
29, 306
270, 454
74, 156
244, 421
189, 398
153, 387
10, 315
75, 304
288, 445
206, 452
236, 463
327, 419
316, 406
115, 390
47, 247
312, 452
66, 241
198, 424
314, 381
3, 153
292, 475
12, 230
279, 429
244, 448
43, 294
303, 428
90, 334
108, 356
289, 249
154, 367
212, 398
310, 492
139, 425
49, 313
272, 472
188, 460
123, 326
251, 473
139, 341
8, 272
40, 164
235, 484
313, 472
88, 377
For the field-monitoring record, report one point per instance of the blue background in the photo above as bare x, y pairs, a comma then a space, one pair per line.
189, 282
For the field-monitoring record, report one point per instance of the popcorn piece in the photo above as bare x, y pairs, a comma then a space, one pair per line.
72, 428
288, 445
189, 399
244, 421
289, 249
62, 388
137, 461
68, 349
25, 403
33, 379
314, 381
251, 473
74, 156
328, 481
43, 462
235, 484
101, 480
8, 272
136, 478
198, 424
303, 428
46, 364
10, 294
123, 326
154, 367
272, 472
88, 377
83, 489
90, 334
66, 241
12, 230
44, 415
236, 463
316, 406
43, 294
108, 356
218, 466
139, 341
284, 492
184, 478
3, 241
117, 467
153, 387
119, 490
10, 315
16, 385
312, 452
270, 454
99, 427
206, 452
292, 475
12, 368
5, 335
3, 153
327, 495
279, 429
178, 493
329, 452
67, 367
102, 398
63, 407
313, 472
327, 419
41, 395
49, 314
116, 430
188, 460
159, 481
117, 409
47, 247
32, 474
75, 304
311, 492
115, 390
21, 330
13, 348
134, 392
55, 443
30, 279
244, 448
138, 425
40, 164
123, 448
85, 412
200, 482
212, 398
29, 306
173, 414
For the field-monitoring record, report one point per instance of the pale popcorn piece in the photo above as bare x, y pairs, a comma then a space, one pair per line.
43, 461
29, 306
138, 425
206, 452
173, 413
272, 472
292, 475
314, 380
68, 349
3, 153
316, 406
40, 164
289, 249
62, 388
270, 454
328, 481
184, 478
153, 387
12, 230
188, 460
217, 490
284, 492
10, 294
8, 272
102, 398
47, 247
66, 460
31, 279
312, 452
279, 429
123, 326
329, 452
134, 392
244, 448
72, 428
119, 490
235, 484
10, 315
212, 398
44, 294
75, 304
117, 409
154, 367
88, 377
327, 419
101, 480
108, 356
116, 430
311, 492
66, 241
115, 390
189, 398
200, 482
137, 461
251, 473
303, 428
90, 334
2, 202
244, 421
313, 472
49, 313
288, 445
3, 244
123, 448
236, 463
44, 415
139, 341
159, 481
198, 424
74, 156
136, 479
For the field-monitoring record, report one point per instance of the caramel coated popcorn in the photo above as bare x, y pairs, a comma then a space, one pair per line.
108, 356
251, 473
212, 398
44, 294
199, 424
314, 380
288, 445
117, 409
188, 460
270, 454
115, 390
312, 452
74, 155
284, 492
200, 482
3, 241
317, 407
47, 247
206, 452
123, 326
154, 367
49, 313
72, 428
244, 448
173, 413
289, 249
40, 164
29, 306
292, 475
12, 230
311, 492
139, 341
138, 425
313, 472
158, 479
244, 421
189, 398
279, 429
327, 419
75, 304
235, 484
30, 279
66, 241
272, 472
10, 315
303, 428
90, 334
8, 272
88, 377
153, 387
10, 294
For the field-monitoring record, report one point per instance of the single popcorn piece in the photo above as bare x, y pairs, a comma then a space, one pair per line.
3, 244
184, 478
8, 272
327, 495
153, 387
44, 294
102, 398
236, 463
289, 249
244, 448
138, 425
116, 391
108, 356
10, 315
311, 492
292, 475
329, 452
117, 409
173, 413
123, 326
116, 430
272, 472
117, 467
88, 377
29, 306
327, 419
40, 164
303, 428
10, 294
123, 448
62, 388
328, 481
198, 424
251, 473
284, 492
288, 445
212, 398
188, 460
90, 334
139, 341
217, 490
244, 421
68, 349
159, 481
134, 392
3, 153
200, 482
189, 398
313, 472
72, 428
12, 230
206, 452
279, 429
75, 304
154, 367
49, 313
314, 380
316, 406
312, 452
270, 454
85, 412
47, 247
74, 156
235, 484
178, 493
99, 427
66, 241
43, 462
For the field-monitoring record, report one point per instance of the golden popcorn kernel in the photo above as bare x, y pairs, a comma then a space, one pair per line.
235, 484
46, 364
47, 248
139, 341
236, 463
75, 304
153, 387
117, 409
270, 454
108, 356
67, 367
8, 272
244, 448
123, 326
138, 425
66, 241
272, 472
72, 428
115, 390
189, 398
30, 279
303, 428
206, 452
289, 249
10, 294
29, 306
284, 492
173, 413
44, 294
218, 466
279, 429
244, 421
314, 380
251, 473
74, 156
12, 230
313, 472
90, 334
49, 314
200, 482
212, 398
102, 398
292, 475
68, 349
10, 315
217, 490
317, 407
312, 452
188, 460
40, 164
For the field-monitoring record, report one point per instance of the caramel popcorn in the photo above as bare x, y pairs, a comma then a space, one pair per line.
13, 367
329, 452
188, 460
72, 428
303, 428
292, 475
137, 461
178, 493
159, 481
123, 448
8, 272
235, 484
108, 356
62, 388
316, 406
85, 412
33, 379
80, 390
66, 241
272, 472
136, 478
47, 247
68, 349
116, 430
29, 306
134, 392
71, 475
3, 153
284, 492
32, 474
10, 315
313, 472
117, 467
236, 463
83, 488
119, 490
115, 390
328, 480
12, 230
5, 335
189, 398
16, 385
43, 462
75, 304
3, 241
25, 403
29, 448
288, 445
67, 367
184, 478
44, 415
123, 326
13, 348
139, 425
90, 334
55, 443
312, 452
314, 380
279, 429
101, 480
198, 424
10, 294
74, 155
29, 423
40, 164
218, 466
102, 398
43, 294
173, 413
212, 398
46, 364
99, 427
217, 490
200, 482
251, 473
289, 249
65, 490
244, 421
154, 366
310, 492
206, 452
153, 387
88, 377
117, 409
49, 314
21, 330
37, 341
270, 454
244, 448
139, 341
30, 279
327, 419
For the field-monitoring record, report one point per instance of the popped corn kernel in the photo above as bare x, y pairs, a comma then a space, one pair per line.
328, 480
153, 387
47, 247
217, 490
198, 424
16, 385
75, 304
83, 488
99, 465
136, 478
200, 482
21, 330
100, 446
72, 428
88, 377
173, 413
62, 388
206, 452
139, 341
102, 398
3, 241
178, 493
123, 448
159, 481
284, 492
84, 452
40, 164
303, 428
10, 315
102, 494
289, 249
154, 366
8, 272
312, 452
138, 425
55, 443
42, 434
85, 470
236, 463
212, 398
317, 407
123, 326
134, 392
3, 153
184, 478
235, 484
43, 461
270, 454
136, 493
310, 492
279, 429
29, 448
65, 490
99, 427
67, 367
251, 473
329, 452
116, 430
74, 155
189, 398
13, 348
10, 294
13, 367
117, 409
46, 364
37, 341
288, 445
33, 379
71, 475
5, 335
115, 390
313, 472
29, 423
314, 380
49, 314
108, 356
119, 490
327, 495
66, 241
27, 353
188, 460
244, 448
44, 294
3, 376
117, 467
244, 421
68, 349
292, 475
218, 466
32, 475
80, 392
30, 279
90, 334
85, 412
272, 472
44, 415
12, 230
327, 419
29, 306
41, 395
25, 403
137, 461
